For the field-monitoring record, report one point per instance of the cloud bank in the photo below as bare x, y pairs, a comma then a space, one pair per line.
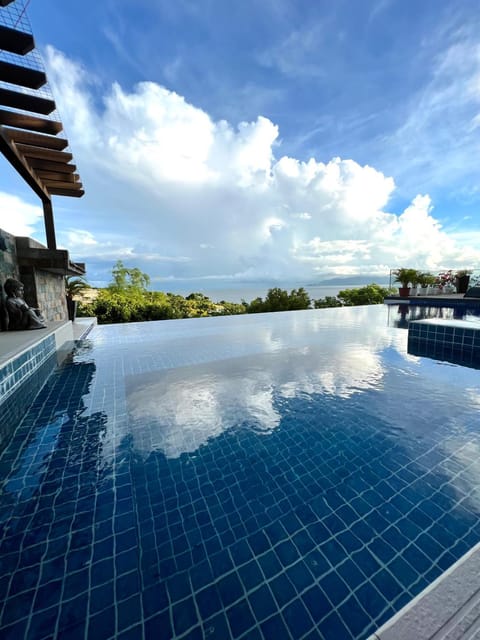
183, 196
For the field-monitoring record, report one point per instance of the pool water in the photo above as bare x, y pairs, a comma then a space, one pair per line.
292, 475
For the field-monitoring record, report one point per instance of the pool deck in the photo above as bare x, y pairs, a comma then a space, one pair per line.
448, 609
13, 343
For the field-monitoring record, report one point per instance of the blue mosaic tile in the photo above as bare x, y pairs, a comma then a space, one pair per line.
251, 574
102, 625
335, 627
274, 628
116, 522
240, 618
230, 589
297, 618
216, 628
184, 615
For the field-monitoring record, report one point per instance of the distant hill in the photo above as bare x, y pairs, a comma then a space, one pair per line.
349, 280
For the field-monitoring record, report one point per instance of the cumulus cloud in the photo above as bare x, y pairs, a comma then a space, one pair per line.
186, 196
18, 217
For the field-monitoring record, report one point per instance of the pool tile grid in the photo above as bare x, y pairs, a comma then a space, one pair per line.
221, 542
23, 376
256, 550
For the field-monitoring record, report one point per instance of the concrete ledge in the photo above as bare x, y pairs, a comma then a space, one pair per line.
82, 327
448, 609
436, 300
14, 343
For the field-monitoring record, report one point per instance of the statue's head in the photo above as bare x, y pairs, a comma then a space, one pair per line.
13, 287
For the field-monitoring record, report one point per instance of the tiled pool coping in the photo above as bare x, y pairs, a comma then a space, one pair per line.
449, 608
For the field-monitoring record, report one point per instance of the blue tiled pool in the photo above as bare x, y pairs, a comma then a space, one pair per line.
295, 475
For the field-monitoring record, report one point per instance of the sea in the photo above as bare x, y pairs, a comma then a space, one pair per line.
249, 291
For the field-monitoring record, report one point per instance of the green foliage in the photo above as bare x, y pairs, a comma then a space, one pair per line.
74, 285
426, 279
279, 300
128, 280
371, 294
112, 306
126, 299
328, 301
406, 276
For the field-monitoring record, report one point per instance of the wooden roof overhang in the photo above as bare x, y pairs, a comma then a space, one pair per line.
29, 139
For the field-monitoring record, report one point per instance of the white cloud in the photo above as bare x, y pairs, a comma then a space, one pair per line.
18, 217
164, 182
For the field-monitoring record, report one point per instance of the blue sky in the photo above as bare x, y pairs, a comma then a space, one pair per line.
282, 139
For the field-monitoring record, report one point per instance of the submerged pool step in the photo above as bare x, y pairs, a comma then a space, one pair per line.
456, 341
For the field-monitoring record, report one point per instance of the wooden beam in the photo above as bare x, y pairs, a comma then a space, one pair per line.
32, 123
49, 224
22, 167
26, 102
36, 139
16, 41
66, 192
51, 176
74, 186
48, 165
30, 151
23, 76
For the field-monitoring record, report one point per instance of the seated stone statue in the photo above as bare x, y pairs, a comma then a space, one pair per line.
20, 315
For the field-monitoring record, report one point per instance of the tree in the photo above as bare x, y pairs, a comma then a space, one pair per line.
371, 294
279, 300
299, 299
328, 301
128, 280
75, 286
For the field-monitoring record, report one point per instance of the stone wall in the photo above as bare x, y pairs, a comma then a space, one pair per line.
51, 295
43, 289
8, 257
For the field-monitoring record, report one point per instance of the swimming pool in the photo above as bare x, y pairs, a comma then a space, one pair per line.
290, 475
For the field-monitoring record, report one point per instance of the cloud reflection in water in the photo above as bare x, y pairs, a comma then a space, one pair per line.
178, 410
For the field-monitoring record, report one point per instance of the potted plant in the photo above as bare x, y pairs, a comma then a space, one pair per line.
446, 281
74, 286
414, 282
462, 280
405, 276
425, 280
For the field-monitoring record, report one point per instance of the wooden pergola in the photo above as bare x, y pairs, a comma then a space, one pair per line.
29, 133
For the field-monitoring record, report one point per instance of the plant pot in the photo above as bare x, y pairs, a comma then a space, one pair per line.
462, 283
72, 309
404, 292
422, 291
413, 291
